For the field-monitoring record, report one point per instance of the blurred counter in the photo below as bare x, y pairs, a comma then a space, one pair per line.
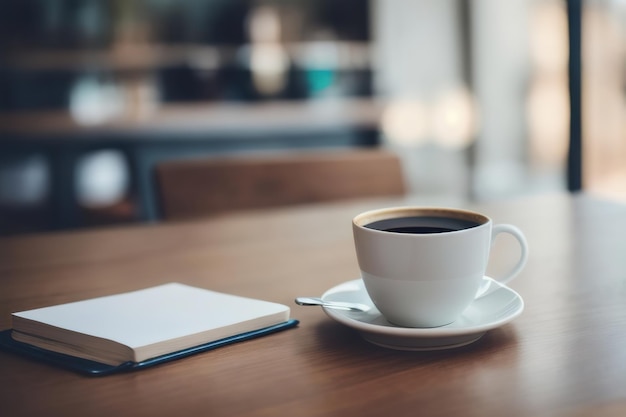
147, 136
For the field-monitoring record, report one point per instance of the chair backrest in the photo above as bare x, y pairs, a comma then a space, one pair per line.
195, 188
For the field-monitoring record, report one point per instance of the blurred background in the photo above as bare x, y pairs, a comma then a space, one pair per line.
472, 94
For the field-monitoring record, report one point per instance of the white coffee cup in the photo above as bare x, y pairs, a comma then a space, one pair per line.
427, 277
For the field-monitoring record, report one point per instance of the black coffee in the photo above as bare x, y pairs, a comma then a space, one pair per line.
422, 224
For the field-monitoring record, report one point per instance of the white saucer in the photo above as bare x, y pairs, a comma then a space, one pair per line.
496, 306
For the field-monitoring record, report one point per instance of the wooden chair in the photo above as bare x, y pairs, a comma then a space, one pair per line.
194, 188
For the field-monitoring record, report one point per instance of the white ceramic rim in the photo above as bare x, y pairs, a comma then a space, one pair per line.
371, 216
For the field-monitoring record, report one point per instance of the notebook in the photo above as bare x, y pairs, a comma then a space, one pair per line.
141, 328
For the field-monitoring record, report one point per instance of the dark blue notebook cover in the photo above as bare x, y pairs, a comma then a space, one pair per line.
88, 367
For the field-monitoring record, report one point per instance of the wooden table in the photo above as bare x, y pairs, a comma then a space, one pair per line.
565, 355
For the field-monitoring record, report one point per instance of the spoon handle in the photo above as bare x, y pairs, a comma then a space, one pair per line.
316, 301
309, 301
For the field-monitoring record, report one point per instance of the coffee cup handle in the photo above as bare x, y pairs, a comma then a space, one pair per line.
521, 239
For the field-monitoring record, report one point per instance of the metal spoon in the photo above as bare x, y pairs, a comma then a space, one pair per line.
339, 305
